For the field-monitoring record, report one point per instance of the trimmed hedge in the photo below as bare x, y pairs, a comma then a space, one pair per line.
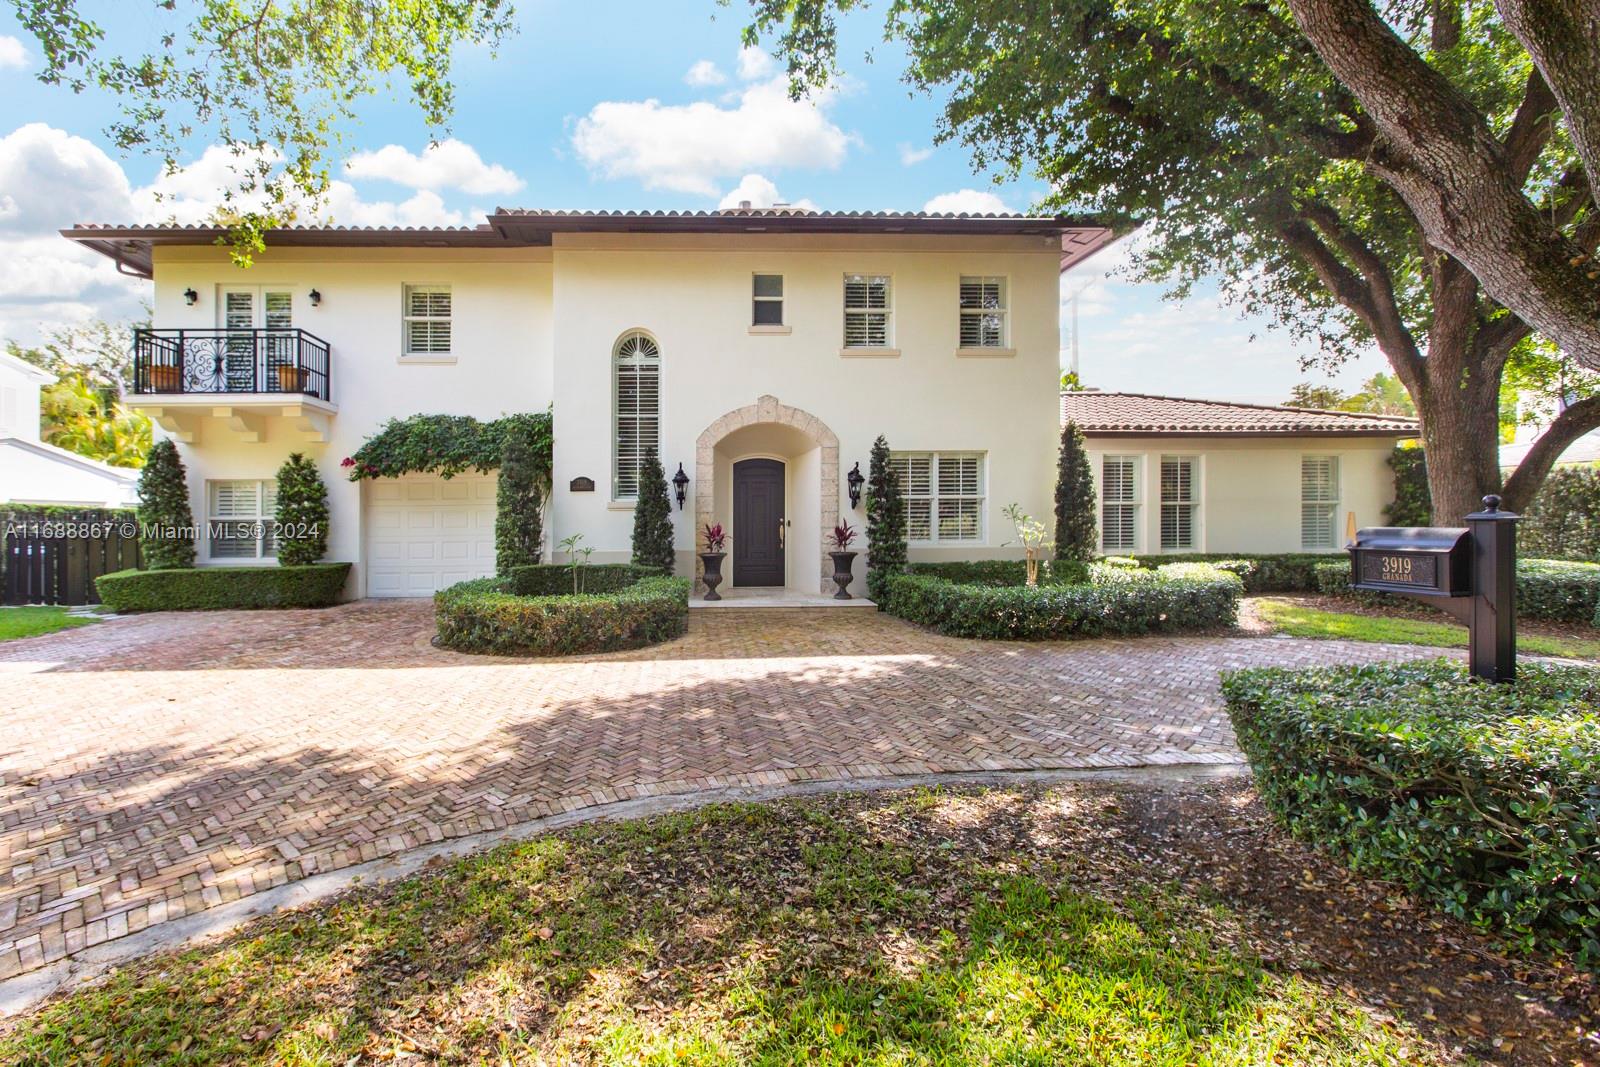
555, 579
312, 585
1479, 797
1554, 589
1118, 601
1002, 572
483, 616
1272, 572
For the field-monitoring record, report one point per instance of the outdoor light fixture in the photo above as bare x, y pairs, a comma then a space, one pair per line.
856, 482
680, 483
190, 297
316, 298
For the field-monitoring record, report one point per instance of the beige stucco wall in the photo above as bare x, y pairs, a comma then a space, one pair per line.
1250, 486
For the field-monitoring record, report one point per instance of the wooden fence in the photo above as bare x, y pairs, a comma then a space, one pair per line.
54, 556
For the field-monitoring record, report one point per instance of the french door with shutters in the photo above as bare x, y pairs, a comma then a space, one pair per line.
258, 319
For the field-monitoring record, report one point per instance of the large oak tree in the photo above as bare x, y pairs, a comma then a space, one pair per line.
1352, 174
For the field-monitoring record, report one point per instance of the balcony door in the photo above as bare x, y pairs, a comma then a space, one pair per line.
257, 319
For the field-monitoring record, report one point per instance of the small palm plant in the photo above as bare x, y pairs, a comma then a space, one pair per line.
577, 557
1035, 540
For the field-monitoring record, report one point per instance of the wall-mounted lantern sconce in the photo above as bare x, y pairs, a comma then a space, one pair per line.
190, 297
316, 298
680, 483
856, 482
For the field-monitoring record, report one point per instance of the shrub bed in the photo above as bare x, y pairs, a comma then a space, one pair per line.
1279, 572
556, 579
1115, 602
1480, 797
1001, 572
1552, 589
312, 585
484, 615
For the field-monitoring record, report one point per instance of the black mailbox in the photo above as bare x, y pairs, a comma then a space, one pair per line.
1422, 560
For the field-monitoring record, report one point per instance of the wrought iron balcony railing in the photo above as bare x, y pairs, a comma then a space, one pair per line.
231, 361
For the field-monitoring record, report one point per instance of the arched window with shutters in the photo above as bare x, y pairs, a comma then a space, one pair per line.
637, 416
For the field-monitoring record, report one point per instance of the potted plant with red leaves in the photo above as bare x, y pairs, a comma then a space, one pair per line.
716, 539
843, 559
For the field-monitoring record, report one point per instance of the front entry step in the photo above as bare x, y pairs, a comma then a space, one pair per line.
763, 597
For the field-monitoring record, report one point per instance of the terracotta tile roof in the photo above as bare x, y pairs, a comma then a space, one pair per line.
1141, 414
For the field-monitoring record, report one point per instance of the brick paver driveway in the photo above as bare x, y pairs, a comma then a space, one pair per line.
151, 767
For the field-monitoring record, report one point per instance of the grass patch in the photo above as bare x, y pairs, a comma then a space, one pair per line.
918, 928
1300, 620
31, 622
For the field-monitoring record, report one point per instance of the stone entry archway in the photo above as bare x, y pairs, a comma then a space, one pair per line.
767, 410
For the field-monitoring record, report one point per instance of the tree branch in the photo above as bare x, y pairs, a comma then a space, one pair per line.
1563, 37
1577, 420
1530, 129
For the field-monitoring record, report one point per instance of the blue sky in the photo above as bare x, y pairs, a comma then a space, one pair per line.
616, 105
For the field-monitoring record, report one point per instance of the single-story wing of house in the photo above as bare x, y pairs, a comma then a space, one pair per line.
1179, 475
34, 472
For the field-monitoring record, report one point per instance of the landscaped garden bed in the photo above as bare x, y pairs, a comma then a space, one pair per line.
534, 612
311, 585
1099, 923
1553, 589
1116, 601
1480, 797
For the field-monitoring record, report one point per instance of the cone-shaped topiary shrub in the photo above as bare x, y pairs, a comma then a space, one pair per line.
166, 525
302, 512
652, 518
886, 524
1076, 528
518, 534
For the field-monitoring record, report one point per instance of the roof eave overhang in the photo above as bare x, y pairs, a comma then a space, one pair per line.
1161, 432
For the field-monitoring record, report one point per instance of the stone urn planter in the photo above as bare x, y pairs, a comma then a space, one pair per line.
712, 559
842, 563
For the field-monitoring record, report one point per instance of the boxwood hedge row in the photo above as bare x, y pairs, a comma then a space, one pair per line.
1272, 572
1117, 601
312, 585
1483, 798
485, 615
1553, 589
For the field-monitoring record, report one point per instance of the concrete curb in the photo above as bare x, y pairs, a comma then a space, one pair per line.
26, 991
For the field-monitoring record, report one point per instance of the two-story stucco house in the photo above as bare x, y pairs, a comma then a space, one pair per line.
760, 350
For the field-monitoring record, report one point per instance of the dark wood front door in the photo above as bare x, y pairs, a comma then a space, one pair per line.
758, 522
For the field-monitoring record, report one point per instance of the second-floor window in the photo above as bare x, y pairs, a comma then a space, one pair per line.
768, 300
867, 310
427, 320
983, 312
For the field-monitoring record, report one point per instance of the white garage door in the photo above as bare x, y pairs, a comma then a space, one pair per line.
425, 532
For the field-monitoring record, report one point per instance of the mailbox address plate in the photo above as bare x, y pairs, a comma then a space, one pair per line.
1400, 568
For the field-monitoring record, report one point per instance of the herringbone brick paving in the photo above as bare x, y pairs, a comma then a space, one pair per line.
155, 766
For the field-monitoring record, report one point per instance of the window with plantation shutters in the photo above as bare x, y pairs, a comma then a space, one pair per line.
638, 411
1319, 501
427, 320
866, 310
239, 518
983, 312
943, 492
1119, 504
1177, 502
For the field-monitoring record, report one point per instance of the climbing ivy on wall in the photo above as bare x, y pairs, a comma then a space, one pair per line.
447, 445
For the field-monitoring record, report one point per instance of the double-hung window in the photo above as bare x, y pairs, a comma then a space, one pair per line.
427, 320
1177, 502
637, 364
767, 297
239, 518
867, 310
1319, 501
943, 492
1119, 504
983, 312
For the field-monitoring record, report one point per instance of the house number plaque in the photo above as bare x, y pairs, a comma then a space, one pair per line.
1398, 569
581, 485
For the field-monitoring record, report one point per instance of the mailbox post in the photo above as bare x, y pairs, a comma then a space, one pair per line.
1469, 572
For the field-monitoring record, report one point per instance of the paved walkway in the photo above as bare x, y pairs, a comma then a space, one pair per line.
153, 767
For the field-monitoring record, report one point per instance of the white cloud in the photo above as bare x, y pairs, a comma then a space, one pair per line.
967, 201
449, 164
705, 73
12, 54
755, 64
910, 156
761, 192
687, 148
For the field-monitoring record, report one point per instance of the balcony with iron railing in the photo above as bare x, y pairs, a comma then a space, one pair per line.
231, 362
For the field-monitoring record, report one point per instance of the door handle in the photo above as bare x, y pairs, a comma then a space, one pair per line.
780, 533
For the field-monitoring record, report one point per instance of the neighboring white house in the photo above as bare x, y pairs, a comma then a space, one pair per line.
761, 350
1179, 475
32, 472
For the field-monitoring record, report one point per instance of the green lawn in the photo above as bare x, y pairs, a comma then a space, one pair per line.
1299, 620
921, 928
30, 622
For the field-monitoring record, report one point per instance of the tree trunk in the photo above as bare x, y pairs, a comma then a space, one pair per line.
1461, 441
